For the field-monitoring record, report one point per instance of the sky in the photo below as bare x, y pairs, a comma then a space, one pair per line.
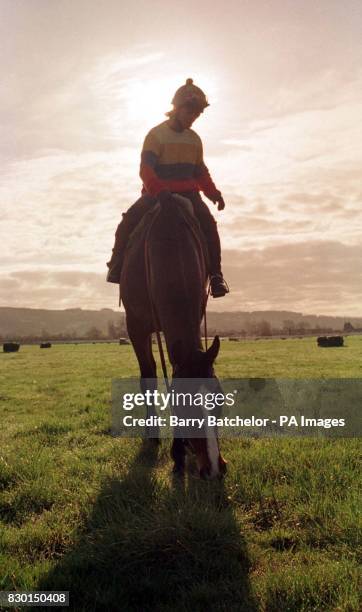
84, 81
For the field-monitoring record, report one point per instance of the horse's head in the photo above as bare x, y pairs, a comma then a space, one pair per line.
195, 364
200, 365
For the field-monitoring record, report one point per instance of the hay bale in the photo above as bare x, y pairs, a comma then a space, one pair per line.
45, 345
11, 347
329, 341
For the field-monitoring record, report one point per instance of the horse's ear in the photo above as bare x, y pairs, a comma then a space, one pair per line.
176, 353
213, 351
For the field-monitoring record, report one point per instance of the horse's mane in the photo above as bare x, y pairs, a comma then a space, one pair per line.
179, 213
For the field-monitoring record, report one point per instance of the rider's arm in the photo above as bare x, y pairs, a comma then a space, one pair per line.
206, 184
149, 157
202, 175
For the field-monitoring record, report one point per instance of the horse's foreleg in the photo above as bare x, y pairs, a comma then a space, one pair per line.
178, 456
141, 339
142, 344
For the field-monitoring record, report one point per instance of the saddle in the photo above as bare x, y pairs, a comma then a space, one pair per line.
185, 207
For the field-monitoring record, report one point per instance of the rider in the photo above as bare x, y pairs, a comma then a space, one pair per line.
172, 162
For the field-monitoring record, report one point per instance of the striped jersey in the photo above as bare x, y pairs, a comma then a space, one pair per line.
174, 161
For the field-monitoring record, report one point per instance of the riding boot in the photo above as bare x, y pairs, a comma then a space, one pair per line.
118, 251
218, 286
130, 220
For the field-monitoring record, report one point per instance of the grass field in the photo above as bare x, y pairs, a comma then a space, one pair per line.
103, 518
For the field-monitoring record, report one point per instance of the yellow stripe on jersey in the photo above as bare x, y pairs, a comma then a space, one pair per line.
172, 147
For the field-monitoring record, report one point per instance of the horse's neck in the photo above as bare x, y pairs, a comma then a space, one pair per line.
177, 280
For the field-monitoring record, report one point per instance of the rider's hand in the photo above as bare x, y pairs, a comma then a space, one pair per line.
217, 198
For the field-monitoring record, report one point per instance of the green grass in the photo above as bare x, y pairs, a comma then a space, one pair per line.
103, 518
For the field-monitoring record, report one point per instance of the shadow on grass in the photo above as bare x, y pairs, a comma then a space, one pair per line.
148, 546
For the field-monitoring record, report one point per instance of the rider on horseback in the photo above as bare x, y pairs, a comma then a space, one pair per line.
172, 162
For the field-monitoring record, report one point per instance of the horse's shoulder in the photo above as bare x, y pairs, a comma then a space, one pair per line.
139, 233
183, 215
188, 217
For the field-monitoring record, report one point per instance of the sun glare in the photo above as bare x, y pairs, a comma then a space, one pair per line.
147, 101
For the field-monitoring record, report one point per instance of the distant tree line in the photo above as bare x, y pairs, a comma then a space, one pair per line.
114, 331
264, 329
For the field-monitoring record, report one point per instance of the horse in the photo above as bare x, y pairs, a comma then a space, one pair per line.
163, 280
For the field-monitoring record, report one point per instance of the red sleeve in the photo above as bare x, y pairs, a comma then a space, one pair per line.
205, 182
152, 183
149, 157
202, 174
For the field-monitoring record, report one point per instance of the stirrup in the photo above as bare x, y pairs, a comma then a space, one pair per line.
218, 286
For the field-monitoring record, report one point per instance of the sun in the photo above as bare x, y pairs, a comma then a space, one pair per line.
148, 100
136, 103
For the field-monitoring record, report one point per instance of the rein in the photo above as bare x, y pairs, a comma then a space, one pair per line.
205, 322
155, 320
198, 241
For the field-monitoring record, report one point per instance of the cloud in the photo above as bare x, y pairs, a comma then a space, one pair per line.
72, 106
282, 138
58, 289
320, 277
64, 208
